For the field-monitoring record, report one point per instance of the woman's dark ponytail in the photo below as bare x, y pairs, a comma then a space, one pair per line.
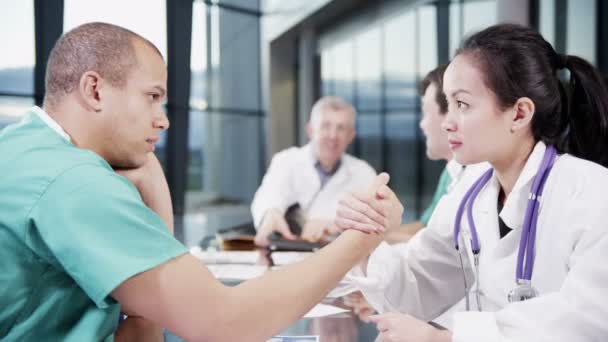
517, 62
587, 135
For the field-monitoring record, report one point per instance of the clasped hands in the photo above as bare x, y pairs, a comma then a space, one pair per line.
374, 210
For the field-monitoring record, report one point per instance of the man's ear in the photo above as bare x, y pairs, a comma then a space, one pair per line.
309, 130
89, 90
353, 134
523, 112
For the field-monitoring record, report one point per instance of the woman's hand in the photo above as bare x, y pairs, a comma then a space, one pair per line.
376, 210
396, 327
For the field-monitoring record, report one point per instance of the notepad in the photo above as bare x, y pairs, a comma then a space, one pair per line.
236, 272
286, 258
225, 257
322, 310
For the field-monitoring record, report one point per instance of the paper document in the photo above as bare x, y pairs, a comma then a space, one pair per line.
286, 258
225, 257
294, 339
322, 310
236, 271
343, 288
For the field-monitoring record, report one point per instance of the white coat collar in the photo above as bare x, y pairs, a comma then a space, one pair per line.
455, 171
312, 158
51, 122
513, 211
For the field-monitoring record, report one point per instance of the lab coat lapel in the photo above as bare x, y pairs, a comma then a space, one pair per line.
486, 216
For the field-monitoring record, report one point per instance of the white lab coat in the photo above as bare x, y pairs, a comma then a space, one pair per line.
570, 269
292, 178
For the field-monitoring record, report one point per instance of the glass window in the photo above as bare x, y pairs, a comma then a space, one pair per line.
152, 25
581, 29
400, 61
547, 20
455, 26
18, 55
465, 19
402, 157
13, 108
327, 87
225, 138
343, 71
198, 58
427, 41
428, 61
368, 64
473, 21
253, 5
370, 139
234, 75
225, 155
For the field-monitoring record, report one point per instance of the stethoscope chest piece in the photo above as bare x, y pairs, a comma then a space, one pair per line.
523, 291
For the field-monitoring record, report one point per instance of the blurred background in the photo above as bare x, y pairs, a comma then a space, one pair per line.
243, 75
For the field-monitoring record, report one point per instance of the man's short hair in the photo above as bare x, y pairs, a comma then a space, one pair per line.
104, 48
435, 77
333, 103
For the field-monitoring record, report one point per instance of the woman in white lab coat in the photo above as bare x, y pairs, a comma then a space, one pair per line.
507, 112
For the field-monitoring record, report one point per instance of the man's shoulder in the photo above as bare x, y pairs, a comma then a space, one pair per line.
34, 154
357, 165
290, 154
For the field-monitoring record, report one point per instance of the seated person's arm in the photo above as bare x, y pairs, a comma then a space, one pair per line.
151, 183
273, 221
183, 296
272, 199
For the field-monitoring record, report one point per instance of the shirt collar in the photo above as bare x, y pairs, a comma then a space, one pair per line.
330, 173
51, 122
455, 171
513, 211
317, 164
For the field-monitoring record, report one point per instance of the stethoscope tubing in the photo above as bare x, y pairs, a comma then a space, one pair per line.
527, 241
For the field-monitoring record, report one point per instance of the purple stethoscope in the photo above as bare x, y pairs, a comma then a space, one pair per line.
523, 274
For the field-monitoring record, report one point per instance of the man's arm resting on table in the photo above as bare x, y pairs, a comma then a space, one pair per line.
184, 297
150, 181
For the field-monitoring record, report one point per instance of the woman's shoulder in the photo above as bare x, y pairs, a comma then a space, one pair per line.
574, 168
579, 179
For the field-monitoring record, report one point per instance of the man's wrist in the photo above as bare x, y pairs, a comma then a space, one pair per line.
442, 336
267, 216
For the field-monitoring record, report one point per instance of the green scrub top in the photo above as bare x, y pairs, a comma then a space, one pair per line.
442, 189
71, 230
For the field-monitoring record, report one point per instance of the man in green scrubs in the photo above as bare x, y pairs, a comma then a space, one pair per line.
77, 242
434, 109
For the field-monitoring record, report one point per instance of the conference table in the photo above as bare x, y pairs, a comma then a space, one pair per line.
341, 327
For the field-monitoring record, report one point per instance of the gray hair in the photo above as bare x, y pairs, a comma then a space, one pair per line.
104, 48
333, 103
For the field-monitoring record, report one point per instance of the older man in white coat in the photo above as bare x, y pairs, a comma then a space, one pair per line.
313, 176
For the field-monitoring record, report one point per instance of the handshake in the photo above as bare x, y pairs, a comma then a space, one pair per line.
373, 210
